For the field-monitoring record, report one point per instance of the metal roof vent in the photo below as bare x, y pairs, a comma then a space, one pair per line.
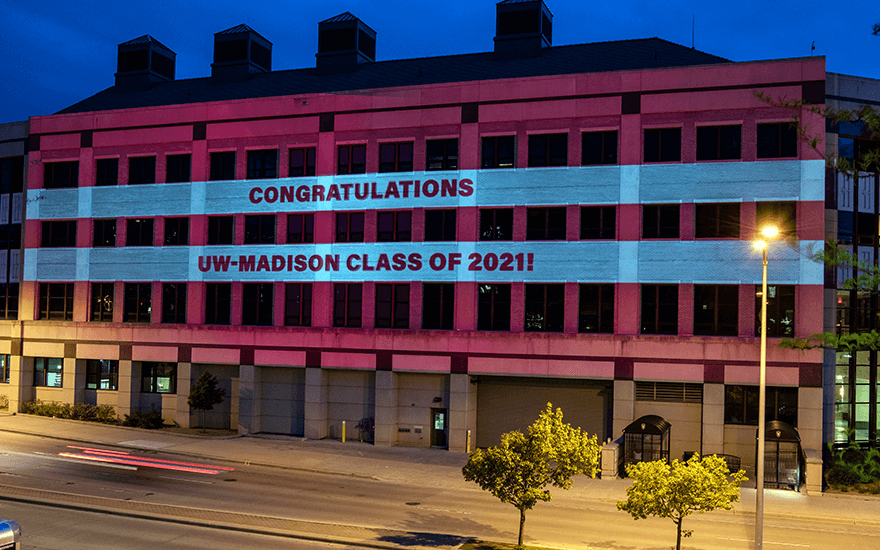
522, 28
344, 42
240, 52
143, 62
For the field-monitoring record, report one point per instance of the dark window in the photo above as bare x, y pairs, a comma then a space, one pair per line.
442, 154
174, 303
599, 148
780, 310
218, 301
158, 377
347, 300
139, 232
392, 306
598, 222
596, 308
137, 302
719, 142
716, 221
60, 175
177, 168
352, 159
300, 228
298, 304
496, 224
106, 172
545, 308
438, 306
9, 301
741, 405
777, 140
394, 227
102, 302
302, 162
221, 230
493, 307
5, 368
259, 229
659, 309
56, 301
440, 225
59, 234
141, 170
548, 150
223, 166
176, 231
48, 372
256, 307
102, 374
660, 221
716, 310
350, 227
499, 152
396, 157
545, 224
663, 145
782, 214
105, 233
11, 174
262, 164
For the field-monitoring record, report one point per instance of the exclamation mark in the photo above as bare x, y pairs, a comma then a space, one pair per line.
531, 259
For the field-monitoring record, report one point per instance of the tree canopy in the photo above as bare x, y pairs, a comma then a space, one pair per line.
204, 394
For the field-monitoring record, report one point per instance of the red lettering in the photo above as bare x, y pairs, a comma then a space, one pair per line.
350, 262
398, 262
331, 262
300, 263
263, 264
454, 260
448, 189
253, 195
357, 191
383, 264
366, 264
204, 264
302, 193
437, 261
391, 190
415, 261
405, 184
246, 263
333, 192
373, 194
316, 262
346, 187
271, 194
465, 187
278, 263
317, 193
287, 194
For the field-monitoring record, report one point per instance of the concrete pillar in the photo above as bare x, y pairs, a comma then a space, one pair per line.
810, 417
624, 406
129, 387
184, 383
250, 399
386, 409
814, 472
462, 412
21, 377
713, 419
69, 379
316, 413
233, 402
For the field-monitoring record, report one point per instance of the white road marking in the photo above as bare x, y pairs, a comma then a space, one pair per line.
189, 480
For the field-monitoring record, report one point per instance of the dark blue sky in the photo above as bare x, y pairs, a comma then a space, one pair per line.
54, 53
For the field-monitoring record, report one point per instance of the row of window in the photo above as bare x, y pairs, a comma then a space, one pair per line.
776, 140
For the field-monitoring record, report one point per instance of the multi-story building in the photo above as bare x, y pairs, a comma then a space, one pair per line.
439, 245
13, 162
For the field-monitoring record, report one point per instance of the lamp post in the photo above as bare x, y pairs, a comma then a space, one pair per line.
769, 232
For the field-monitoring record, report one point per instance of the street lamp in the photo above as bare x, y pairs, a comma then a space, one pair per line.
769, 232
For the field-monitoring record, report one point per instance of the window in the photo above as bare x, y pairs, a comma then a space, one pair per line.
782, 214
545, 307
347, 299
440, 225
302, 162
493, 307
9, 301
663, 145
396, 157
59, 234
660, 221
300, 228
716, 221
777, 140
741, 405
221, 230
719, 142
11, 174
256, 306
106, 172
442, 154
259, 229
352, 159
218, 302
262, 164
223, 166
392, 306
438, 305
716, 310
545, 224
350, 227
780, 310
139, 232
596, 308
659, 309
177, 168
60, 175
599, 148
102, 374
174, 303
548, 150
496, 224
298, 304
48, 372
394, 227
158, 377
598, 222
102, 302
141, 170
56, 301
137, 302
176, 231
105, 233
499, 152
5, 368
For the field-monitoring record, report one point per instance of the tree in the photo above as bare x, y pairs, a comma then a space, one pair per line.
518, 470
679, 489
204, 394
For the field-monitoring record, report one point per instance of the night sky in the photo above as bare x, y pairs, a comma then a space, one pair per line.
54, 53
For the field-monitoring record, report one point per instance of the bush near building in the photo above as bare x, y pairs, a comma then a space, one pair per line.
76, 411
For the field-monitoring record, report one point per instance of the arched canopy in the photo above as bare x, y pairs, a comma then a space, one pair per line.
650, 424
777, 430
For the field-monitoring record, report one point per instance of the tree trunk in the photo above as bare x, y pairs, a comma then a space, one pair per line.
678, 541
522, 522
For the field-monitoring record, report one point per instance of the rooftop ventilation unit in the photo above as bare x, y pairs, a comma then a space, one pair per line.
240, 52
142, 62
522, 28
344, 42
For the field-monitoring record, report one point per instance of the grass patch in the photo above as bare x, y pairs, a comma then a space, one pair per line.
489, 545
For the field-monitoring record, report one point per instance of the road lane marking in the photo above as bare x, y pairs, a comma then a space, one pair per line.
188, 480
767, 542
59, 459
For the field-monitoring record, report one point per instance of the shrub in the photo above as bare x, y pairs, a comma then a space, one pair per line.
4, 403
77, 411
150, 420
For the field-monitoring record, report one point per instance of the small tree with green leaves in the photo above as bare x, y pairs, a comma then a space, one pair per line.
679, 489
204, 394
519, 469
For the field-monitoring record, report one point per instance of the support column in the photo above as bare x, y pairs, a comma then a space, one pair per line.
713, 419
386, 409
462, 412
316, 414
21, 377
624, 406
250, 399
184, 383
78, 386
129, 387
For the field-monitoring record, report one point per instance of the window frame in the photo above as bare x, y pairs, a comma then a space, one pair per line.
653, 309
154, 371
606, 226
400, 222
106, 172
607, 148
223, 168
748, 407
348, 305
139, 295
353, 230
259, 228
43, 371
174, 303
722, 142
441, 154
546, 223
216, 296
262, 164
717, 220
396, 156
783, 140
298, 309
101, 373
494, 229
601, 308
100, 230
5, 368
660, 217
218, 232
547, 150
346, 156
440, 224
776, 327
178, 168
61, 174
142, 170
101, 310
664, 144
491, 149
303, 169
257, 304
144, 234
178, 236
492, 298
716, 310
305, 225
544, 307
392, 302
58, 234
438, 306
51, 296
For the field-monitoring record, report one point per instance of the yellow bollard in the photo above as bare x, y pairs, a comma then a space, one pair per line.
343, 431
468, 443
